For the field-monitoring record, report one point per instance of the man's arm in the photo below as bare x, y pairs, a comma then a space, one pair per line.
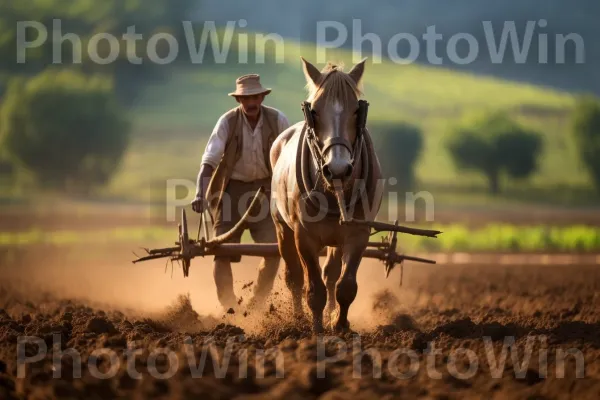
210, 159
202, 181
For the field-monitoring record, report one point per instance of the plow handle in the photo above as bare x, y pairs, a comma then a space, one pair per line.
241, 223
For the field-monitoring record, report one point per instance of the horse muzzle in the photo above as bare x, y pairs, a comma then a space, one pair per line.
337, 169
338, 160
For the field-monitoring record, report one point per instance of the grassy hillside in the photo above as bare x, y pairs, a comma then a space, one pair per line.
194, 98
174, 118
390, 17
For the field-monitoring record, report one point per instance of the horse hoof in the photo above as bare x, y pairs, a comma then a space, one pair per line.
301, 319
318, 327
341, 327
298, 313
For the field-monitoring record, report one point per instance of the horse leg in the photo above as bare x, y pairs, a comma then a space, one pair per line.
346, 288
331, 273
316, 295
294, 276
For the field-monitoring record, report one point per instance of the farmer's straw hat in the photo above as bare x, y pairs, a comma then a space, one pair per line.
248, 85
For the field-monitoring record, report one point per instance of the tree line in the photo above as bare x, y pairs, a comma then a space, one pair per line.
66, 130
494, 145
63, 125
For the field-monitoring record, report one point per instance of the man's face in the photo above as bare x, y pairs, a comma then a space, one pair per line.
251, 104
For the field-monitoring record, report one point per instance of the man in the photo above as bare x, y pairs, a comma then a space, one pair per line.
234, 165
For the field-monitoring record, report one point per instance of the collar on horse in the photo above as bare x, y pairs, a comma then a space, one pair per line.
309, 141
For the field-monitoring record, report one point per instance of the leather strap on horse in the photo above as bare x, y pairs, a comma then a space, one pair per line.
305, 180
318, 150
309, 142
330, 142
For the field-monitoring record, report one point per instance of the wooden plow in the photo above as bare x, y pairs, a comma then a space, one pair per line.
186, 249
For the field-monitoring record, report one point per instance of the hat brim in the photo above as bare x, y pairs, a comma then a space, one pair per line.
250, 92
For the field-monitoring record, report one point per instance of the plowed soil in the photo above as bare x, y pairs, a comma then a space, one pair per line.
441, 335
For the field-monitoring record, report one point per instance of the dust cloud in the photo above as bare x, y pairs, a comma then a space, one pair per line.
110, 280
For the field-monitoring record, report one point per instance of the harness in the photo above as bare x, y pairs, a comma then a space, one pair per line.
311, 148
319, 149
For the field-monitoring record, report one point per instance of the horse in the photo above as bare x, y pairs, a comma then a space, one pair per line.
330, 149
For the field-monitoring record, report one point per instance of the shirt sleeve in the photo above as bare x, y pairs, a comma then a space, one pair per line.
216, 143
282, 122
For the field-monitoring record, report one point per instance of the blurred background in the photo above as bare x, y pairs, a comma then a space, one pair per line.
508, 151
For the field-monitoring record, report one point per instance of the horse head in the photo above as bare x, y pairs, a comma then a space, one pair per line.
334, 113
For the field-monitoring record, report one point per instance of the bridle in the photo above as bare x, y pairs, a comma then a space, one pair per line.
309, 146
318, 149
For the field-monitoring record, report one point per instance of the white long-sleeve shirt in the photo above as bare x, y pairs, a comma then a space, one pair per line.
251, 166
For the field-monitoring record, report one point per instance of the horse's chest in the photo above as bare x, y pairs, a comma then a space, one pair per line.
327, 232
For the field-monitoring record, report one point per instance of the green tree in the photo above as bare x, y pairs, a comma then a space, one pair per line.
399, 146
64, 128
586, 129
493, 145
86, 18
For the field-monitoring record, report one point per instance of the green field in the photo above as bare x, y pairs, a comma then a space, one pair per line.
173, 119
456, 237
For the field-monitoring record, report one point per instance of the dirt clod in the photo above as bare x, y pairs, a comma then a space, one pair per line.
99, 325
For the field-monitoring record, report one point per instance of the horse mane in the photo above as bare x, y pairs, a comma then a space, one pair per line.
334, 84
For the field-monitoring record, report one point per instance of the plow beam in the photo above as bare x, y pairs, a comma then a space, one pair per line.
270, 250
186, 249
383, 226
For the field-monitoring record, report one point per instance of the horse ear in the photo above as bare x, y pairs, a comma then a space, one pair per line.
311, 72
357, 71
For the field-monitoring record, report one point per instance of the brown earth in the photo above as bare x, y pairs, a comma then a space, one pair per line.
87, 301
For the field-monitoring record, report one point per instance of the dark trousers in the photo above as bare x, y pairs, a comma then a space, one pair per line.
262, 230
